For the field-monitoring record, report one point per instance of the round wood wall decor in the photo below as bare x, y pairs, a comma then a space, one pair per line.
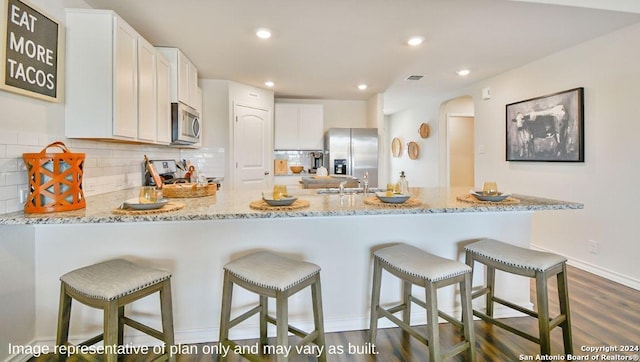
396, 147
413, 150
424, 130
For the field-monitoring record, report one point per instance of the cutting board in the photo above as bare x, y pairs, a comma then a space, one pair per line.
280, 167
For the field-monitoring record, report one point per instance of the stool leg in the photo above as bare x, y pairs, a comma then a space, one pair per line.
318, 318
467, 316
406, 300
121, 325
491, 282
375, 300
264, 310
543, 312
111, 329
225, 317
64, 317
433, 331
166, 312
563, 296
282, 324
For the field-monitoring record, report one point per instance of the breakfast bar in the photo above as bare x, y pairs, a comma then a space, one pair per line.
193, 242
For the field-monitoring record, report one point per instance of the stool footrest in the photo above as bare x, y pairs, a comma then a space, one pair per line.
455, 349
405, 327
92, 341
502, 325
294, 330
244, 316
143, 328
506, 303
234, 345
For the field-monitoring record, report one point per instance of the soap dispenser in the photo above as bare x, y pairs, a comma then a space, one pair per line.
403, 184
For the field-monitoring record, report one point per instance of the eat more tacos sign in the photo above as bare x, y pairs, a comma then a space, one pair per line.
30, 51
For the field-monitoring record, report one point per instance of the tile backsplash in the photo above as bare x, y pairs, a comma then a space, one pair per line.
108, 166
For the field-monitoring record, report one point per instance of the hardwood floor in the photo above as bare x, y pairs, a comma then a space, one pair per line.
603, 313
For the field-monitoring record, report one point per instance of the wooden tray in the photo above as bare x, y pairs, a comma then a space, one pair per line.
170, 206
188, 190
262, 205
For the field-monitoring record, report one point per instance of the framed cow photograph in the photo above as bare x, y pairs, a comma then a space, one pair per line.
548, 128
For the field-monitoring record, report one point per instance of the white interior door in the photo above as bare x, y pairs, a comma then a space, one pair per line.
252, 149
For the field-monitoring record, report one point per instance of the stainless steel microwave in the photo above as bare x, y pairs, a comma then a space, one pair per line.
185, 124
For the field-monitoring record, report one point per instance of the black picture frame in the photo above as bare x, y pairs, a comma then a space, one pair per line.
549, 128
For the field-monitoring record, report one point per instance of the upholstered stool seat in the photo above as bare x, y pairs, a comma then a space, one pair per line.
417, 267
272, 276
540, 265
109, 286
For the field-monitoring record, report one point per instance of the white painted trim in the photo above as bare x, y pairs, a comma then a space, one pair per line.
597, 270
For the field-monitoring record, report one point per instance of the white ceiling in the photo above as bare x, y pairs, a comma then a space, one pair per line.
324, 49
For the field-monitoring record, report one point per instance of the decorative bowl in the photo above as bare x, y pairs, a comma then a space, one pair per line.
393, 199
282, 201
497, 197
296, 169
136, 205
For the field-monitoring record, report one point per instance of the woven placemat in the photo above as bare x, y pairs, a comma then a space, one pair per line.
262, 205
374, 201
170, 206
472, 200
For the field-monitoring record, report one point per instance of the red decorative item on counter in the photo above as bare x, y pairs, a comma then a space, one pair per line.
55, 180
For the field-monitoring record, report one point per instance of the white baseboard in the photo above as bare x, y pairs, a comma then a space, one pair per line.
597, 270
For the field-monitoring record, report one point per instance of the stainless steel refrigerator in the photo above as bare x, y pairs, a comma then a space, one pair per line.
353, 151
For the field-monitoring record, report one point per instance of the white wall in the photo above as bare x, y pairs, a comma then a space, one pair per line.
607, 182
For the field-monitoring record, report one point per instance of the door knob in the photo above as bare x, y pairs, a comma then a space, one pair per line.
266, 173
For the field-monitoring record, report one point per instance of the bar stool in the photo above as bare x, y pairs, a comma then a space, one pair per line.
529, 263
417, 267
109, 286
272, 276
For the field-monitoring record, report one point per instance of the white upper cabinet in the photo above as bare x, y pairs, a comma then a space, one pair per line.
147, 107
111, 83
298, 127
184, 76
163, 99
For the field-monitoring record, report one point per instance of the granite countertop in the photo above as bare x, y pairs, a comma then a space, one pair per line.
235, 205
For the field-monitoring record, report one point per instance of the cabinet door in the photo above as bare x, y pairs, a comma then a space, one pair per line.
183, 78
125, 123
310, 127
147, 108
163, 99
193, 87
286, 127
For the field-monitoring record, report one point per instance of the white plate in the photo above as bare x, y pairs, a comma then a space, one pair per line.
136, 205
494, 198
394, 199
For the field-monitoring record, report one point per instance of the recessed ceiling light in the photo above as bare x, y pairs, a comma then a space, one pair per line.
463, 72
415, 41
269, 83
362, 86
263, 33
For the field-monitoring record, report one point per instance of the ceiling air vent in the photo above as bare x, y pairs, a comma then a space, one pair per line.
414, 77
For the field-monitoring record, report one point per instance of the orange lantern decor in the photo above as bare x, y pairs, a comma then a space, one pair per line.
55, 180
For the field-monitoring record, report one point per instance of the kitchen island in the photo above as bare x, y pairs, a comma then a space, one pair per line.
336, 232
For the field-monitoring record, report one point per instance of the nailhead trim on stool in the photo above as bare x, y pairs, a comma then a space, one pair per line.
272, 276
417, 267
535, 264
109, 286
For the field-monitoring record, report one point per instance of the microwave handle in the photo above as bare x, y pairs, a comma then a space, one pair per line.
195, 126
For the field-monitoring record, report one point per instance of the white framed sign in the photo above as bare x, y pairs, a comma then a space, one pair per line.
31, 51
